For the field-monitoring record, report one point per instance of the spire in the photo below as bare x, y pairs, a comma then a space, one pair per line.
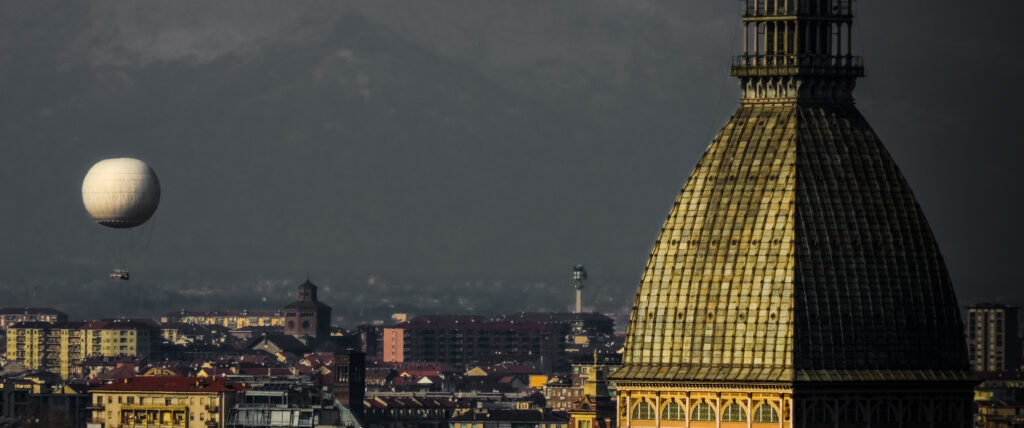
798, 51
595, 384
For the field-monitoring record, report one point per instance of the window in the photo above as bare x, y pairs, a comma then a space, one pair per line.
946, 413
765, 413
883, 413
673, 412
850, 413
643, 411
734, 413
582, 424
917, 414
703, 413
819, 414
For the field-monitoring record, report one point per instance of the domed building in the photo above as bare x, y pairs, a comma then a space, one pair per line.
796, 282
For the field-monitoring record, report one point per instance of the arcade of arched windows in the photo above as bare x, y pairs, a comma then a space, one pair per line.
724, 411
703, 411
882, 413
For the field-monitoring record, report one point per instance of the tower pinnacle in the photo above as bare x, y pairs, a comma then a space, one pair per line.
797, 51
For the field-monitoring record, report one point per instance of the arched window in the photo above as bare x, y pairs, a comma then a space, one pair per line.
703, 413
673, 412
850, 413
765, 414
819, 414
917, 413
734, 413
884, 413
947, 413
643, 412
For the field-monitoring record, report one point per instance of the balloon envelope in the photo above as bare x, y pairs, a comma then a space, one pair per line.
121, 192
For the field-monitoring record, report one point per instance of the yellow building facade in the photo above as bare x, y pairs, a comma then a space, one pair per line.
111, 339
60, 348
55, 348
229, 319
186, 402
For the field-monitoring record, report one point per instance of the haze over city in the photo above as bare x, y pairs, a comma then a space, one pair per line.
444, 157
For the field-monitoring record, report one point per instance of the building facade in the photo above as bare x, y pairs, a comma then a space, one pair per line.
466, 341
55, 348
596, 407
61, 347
229, 319
12, 316
796, 281
393, 345
307, 317
114, 338
288, 404
349, 380
993, 344
190, 402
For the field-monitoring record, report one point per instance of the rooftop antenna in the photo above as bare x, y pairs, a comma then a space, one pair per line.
579, 274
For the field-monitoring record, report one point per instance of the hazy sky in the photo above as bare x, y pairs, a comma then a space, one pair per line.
445, 156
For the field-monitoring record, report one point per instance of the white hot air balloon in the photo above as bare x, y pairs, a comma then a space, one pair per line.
121, 193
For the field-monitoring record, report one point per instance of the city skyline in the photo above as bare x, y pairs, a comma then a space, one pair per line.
454, 173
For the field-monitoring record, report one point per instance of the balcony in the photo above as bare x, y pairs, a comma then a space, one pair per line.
793, 65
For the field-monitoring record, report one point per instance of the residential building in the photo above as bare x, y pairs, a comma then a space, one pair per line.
371, 340
562, 398
409, 410
993, 344
229, 319
393, 345
14, 400
502, 418
291, 404
35, 402
12, 316
596, 407
55, 348
164, 401
60, 348
795, 281
466, 341
1000, 402
112, 338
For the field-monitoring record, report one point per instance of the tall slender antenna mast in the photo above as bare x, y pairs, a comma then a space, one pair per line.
578, 276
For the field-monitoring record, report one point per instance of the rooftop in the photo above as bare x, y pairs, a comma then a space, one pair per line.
31, 311
173, 384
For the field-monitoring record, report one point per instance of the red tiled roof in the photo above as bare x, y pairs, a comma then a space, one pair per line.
173, 384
